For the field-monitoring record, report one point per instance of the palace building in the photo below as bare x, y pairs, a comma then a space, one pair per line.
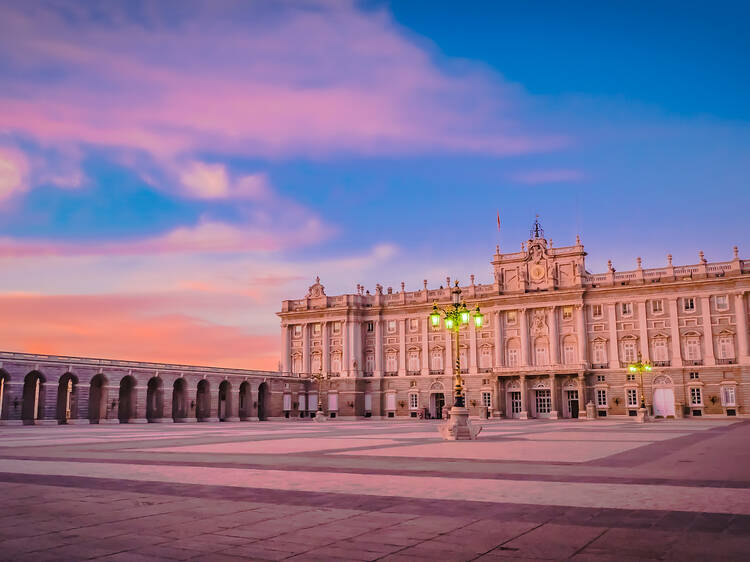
556, 341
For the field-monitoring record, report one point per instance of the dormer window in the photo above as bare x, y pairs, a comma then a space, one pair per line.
391, 326
657, 306
596, 310
722, 303
626, 308
370, 326
413, 324
316, 329
688, 304
297, 330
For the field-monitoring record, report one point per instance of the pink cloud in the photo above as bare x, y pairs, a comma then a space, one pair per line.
233, 79
14, 171
533, 177
126, 327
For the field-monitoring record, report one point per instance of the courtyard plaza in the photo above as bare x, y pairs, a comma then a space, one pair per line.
377, 490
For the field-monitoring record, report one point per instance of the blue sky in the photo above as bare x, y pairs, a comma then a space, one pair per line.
228, 153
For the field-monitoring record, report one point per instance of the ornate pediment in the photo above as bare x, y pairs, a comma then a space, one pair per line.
316, 290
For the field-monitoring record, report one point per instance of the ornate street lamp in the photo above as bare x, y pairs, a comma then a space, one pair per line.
455, 316
638, 367
320, 377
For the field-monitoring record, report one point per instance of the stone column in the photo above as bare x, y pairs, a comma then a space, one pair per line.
554, 337
614, 355
499, 399
167, 387
345, 355
581, 396
378, 352
425, 347
643, 330
524, 415
213, 402
233, 408
449, 360
285, 349
524, 338
708, 333
582, 335
553, 396
674, 327
306, 348
472, 349
141, 403
402, 347
499, 347
356, 349
742, 333
325, 360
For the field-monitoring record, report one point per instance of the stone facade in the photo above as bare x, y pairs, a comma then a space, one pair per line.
556, 341
45, 389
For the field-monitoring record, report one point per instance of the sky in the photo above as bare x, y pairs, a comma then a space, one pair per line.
171, 171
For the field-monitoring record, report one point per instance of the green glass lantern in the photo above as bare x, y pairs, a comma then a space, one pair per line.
478, 318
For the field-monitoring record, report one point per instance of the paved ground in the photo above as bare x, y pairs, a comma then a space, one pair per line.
602, 490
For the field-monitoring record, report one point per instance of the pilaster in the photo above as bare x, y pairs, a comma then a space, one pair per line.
674, 328
425, 347
499, 351
402, 347
742, 332
378, 347
582, 335
643, 330
523, 320
614, 355
524, 414
472, 349
554, 337
708, 333
306, 347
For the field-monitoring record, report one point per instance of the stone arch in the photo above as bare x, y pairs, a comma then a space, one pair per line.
127, 399
179, 400
225, 400
513, 385
245, 401
32, 408
67, 398
662, 380
154, 399
264, 400
541, 384
4, 395
437, 386
98, 398
203, 400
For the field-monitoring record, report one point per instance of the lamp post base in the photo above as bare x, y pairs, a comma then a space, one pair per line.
320, 416
642, 415
458, 427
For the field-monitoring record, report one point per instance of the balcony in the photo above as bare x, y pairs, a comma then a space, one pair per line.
436, 371
390, 374
726, 361
413, 373
662, 363
367, 374
693, 362
485, 370
600, 365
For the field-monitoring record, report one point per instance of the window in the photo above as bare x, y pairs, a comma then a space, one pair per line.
487, 399
657, 306
694, 375
722, 303
391, 362
391, 326
728, 396
601, 398
626, 308
336, 363
569, 353
688, 304
413, 324
512, 358
628, 351
567, 312
543, 401
316, 363
630, 376
437, 360
414, 361
660, 349
370, 362
337, 327
316, 329
413, 401
696, 397
297, 330
632, 398
297, 364
596, 310
540, 352
692, 349
726, 347
600, 353
485, 358
600, 378
511, 317
371, 326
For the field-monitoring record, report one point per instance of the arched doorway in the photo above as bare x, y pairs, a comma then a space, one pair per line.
225, 400
33, 398
244, 397
4, 388
98, 399
263, 401
126, 406
154, 400
67, 398
203, 401
179, 400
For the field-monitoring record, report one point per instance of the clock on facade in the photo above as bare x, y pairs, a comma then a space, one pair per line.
537, 272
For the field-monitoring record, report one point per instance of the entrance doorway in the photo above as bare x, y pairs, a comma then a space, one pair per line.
663, 402
437, 403
515, 404
572, 400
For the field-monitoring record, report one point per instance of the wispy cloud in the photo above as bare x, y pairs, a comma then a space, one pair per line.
533, 177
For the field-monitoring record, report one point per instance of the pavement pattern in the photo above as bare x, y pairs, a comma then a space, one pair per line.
377, 490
